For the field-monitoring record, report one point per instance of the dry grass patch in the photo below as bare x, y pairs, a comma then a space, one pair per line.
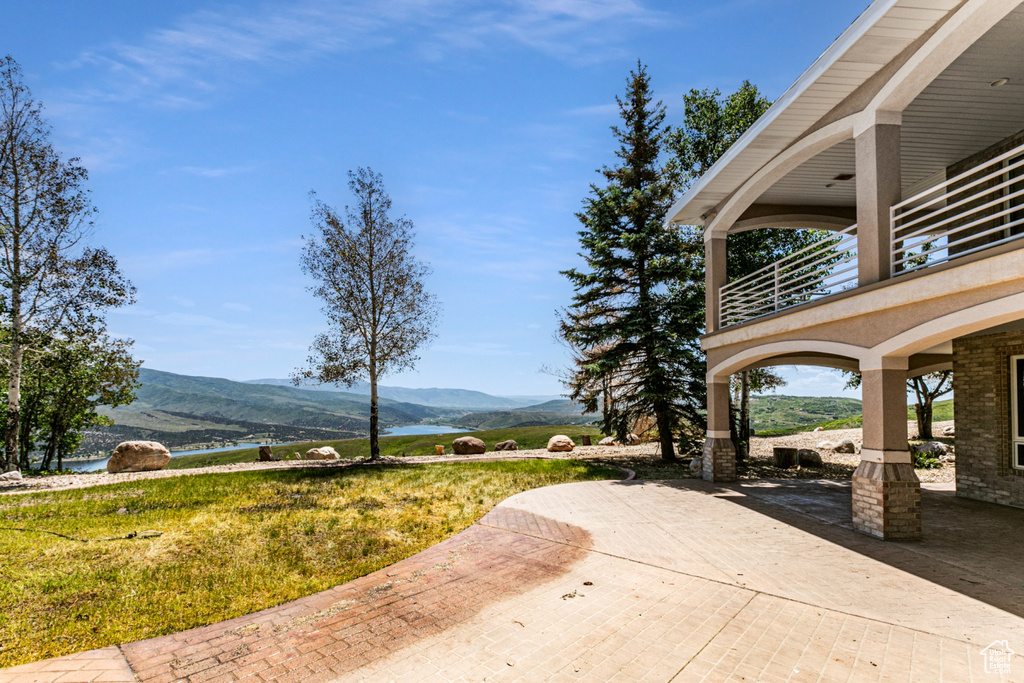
231, 544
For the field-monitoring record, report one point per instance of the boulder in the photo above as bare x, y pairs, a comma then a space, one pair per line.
949, 431
138, 456
509, 445
819, 429
697, 467
322, 453
267, 454
845, 446
13, 475
632, 439
932, 448
826, 446
560, 443
468, 445
805, 457
608, 441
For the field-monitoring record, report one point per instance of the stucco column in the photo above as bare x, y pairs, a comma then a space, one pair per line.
886, 490
715, 277
719, 453
878, 188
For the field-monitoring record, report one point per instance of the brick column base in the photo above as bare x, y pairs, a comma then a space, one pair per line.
719, 460
887, 501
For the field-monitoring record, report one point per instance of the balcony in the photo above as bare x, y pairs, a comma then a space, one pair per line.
973, 211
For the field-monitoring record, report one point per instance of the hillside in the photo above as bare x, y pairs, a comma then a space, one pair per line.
179, 410
462, 399
786, 412
557, 412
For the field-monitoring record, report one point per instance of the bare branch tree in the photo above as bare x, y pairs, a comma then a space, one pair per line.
49, 278
372, 287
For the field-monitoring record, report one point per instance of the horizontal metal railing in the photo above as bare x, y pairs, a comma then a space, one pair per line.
975, 210
818, 270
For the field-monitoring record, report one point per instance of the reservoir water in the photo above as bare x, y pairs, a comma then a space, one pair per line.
423, 430
408, 430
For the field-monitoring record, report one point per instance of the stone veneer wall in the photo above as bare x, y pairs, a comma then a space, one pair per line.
981, 403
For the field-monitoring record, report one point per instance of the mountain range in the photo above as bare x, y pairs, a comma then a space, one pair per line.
437, 398
181, 410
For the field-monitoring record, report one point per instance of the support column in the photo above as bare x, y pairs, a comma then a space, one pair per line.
878, 189
715, 277
719, 453
886, 490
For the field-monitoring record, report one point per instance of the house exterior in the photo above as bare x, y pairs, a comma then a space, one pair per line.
904, 140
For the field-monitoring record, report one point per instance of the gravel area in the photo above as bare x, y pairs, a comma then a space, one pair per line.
644, 459
761, 449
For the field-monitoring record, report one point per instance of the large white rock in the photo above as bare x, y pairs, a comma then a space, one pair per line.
697, 467
468, 445
608, 441
560, 443
13, 475
138, 456
322, 453
933, 448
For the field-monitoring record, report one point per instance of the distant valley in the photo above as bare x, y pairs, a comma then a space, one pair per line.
181, 411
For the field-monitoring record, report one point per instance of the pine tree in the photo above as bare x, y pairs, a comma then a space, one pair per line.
623, 312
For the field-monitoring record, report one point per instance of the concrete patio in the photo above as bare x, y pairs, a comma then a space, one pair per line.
661, 581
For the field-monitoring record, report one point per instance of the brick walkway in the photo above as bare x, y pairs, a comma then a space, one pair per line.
660, 581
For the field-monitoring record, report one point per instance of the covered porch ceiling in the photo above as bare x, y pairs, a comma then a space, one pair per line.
959, 114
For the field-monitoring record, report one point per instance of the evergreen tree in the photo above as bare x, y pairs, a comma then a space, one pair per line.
622, 313
711, 125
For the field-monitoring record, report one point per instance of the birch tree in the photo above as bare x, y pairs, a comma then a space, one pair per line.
378, 310
50, 279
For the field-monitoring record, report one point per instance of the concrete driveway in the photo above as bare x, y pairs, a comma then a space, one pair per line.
661, 581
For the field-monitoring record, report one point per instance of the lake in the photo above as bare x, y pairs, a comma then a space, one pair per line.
408, 430
423, 430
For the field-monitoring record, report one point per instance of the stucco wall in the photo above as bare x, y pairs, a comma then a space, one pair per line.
981, 378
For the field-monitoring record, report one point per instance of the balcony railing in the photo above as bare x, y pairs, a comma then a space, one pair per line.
818, 270
978, 209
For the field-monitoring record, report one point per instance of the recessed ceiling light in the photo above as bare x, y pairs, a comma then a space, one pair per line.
999, 82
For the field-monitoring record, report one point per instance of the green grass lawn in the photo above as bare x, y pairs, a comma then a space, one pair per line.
231, 544
526, 437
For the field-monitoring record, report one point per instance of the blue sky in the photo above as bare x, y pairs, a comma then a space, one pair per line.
204, 126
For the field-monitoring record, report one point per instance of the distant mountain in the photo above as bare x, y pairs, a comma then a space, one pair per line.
179, 410
436, 398
555, 412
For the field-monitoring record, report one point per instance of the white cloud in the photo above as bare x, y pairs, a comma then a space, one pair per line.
193, 59
216, 172
182, 301
191, 320
231, 306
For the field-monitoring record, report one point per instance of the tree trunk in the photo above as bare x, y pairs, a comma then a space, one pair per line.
924, 419
668, 451
13, 403
606, 408
374, 444
743, 428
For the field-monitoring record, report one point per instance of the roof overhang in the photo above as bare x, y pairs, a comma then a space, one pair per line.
870, 45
